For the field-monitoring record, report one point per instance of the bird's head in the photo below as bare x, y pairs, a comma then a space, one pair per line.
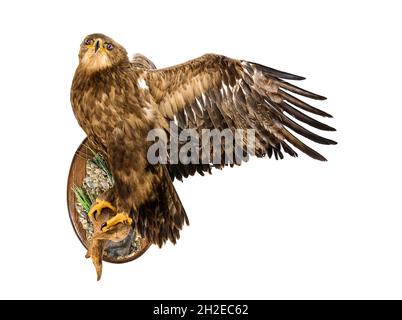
98, 52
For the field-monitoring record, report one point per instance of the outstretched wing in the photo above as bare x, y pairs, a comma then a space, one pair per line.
216, 92
179, 170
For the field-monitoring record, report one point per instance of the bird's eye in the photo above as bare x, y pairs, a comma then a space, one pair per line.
88, 41
109, 46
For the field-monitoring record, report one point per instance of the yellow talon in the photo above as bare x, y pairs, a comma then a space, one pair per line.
99, 205
118, 218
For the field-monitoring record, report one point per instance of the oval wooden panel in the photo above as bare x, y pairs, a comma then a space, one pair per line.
75, 177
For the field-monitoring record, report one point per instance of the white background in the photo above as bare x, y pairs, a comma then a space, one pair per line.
295, 228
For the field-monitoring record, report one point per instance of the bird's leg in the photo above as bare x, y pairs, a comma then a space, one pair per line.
98, 206
118, 218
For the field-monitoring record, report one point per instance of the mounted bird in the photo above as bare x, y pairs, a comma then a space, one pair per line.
117, 102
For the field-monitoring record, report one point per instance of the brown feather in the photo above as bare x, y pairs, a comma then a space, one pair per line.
117, 102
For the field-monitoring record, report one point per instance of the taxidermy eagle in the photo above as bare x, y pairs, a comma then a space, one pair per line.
117, 102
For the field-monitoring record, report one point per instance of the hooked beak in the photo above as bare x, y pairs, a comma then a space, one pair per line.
97, 45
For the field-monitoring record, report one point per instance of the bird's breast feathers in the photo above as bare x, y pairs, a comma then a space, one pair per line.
111, 94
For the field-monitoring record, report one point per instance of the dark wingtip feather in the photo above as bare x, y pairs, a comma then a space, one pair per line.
292, 88
328, 128
315, 155
303, 105
302, 146
276, 73
305, 118
306, 133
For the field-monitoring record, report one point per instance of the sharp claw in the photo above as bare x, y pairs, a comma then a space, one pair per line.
118, 218
98, 206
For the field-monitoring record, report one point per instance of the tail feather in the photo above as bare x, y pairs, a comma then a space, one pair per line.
162, 217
